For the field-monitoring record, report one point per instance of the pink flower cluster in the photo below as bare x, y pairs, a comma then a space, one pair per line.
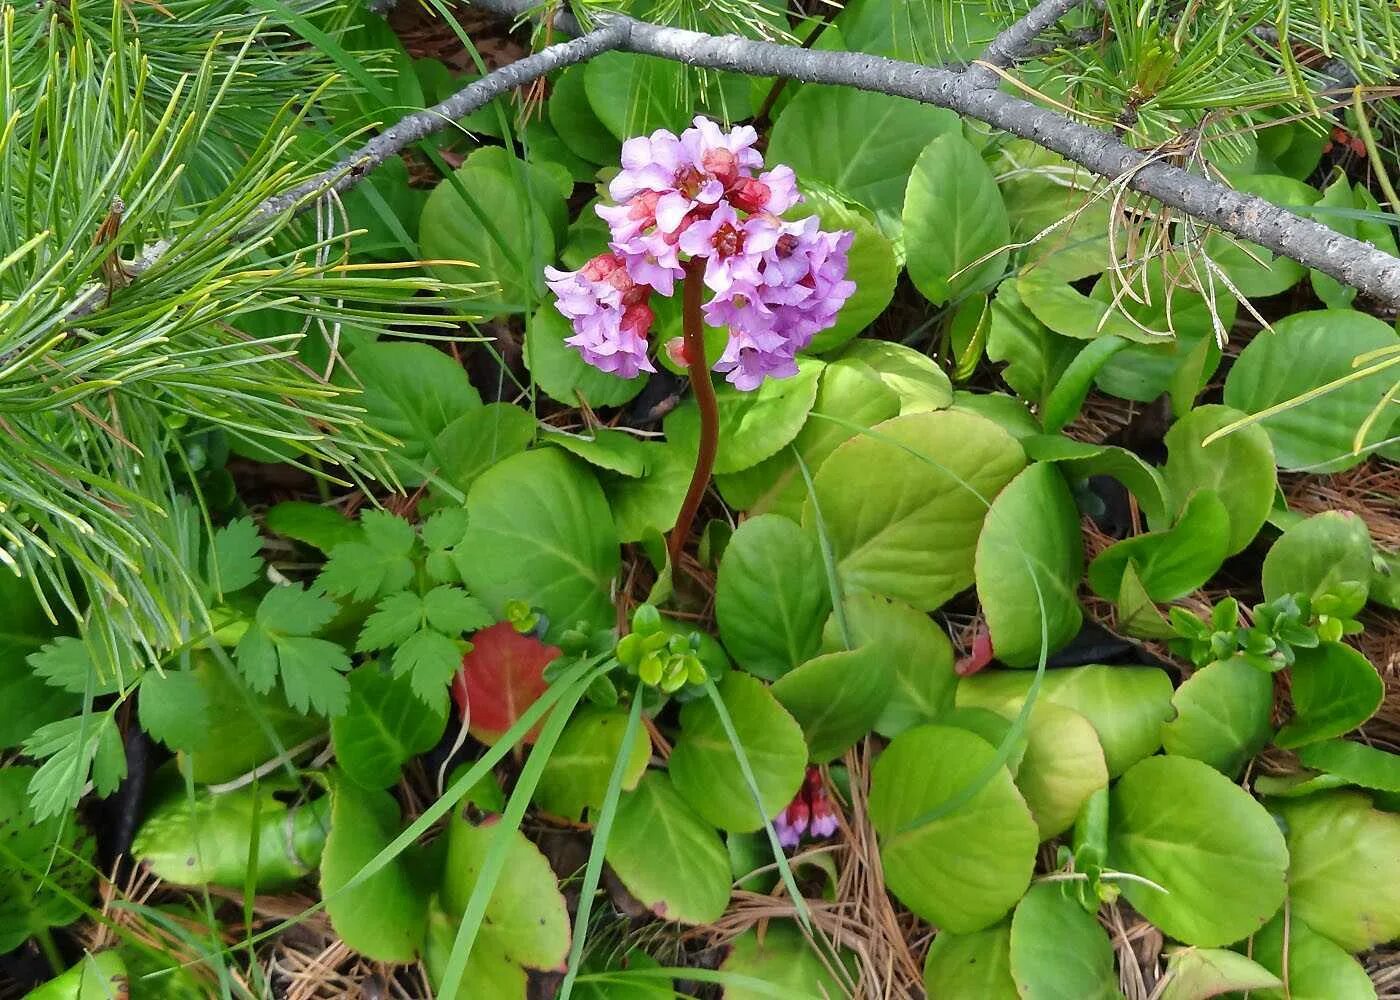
696, 197
809, 813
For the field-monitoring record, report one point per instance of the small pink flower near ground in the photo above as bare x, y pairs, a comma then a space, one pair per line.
810, 813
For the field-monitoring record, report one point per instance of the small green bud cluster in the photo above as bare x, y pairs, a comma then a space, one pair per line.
660, 659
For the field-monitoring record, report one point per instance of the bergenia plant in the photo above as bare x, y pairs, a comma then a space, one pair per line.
698, 210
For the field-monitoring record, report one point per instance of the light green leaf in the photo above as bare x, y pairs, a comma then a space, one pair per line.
174, 708
1216, 851
312, 524
954, 218
25, 628
429, 660
1334, 690
1356, 763
1269, 274
1058, 950
452, 610
911, 533
613, 450
234, 560
871, 265
71, 749
653, 501
384, 917
1036, 357
1063, 765
480, 438
1239, 468
1066, 398
971, 965
540, 531
1223, 716
771, 596
917, 648
1027, 582
864, 145
1328, 557
313, 674
706, 770
1344, 879
916, 377
783, 959
523, 202
1125, 705
836, 697
98, 975
66, 664
752, 425
362, 570
1071, 313
1316, 967
576, 775
383, 728
1079, 460
1200, 973
411, 392
667, 856
1317, 435
636, 95
394, 619
1171, 563
964, 870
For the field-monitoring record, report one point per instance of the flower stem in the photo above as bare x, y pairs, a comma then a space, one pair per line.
699, 370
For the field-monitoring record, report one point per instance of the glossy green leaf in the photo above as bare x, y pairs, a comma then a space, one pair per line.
1070, 313
98, 975
1334, 689
917, 649
871, 264
1080, 460
1223, 714
1066, 399
915, 377
1059, 951
312, 524
783, 958
1328, 556
604, 448
540, 531
1239, 468
771, 596
836, 697
1028, 582
912, 532
480, 438
635, 94
1317, 435
971, 965
955, 223
1317, 968
1200, 973
652, 501
1036, 357
666, 856
576, 775
573, 118
1170, 563
1195, 833
386, 916
752, 425
1356, 763
863, 145
1063, 765
706, 770
385, 726
964, 870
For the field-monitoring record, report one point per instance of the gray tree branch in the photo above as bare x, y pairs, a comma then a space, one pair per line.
1012, 44
1246, 216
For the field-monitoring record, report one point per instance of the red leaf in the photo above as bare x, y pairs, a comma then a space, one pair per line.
500, 678
979, 657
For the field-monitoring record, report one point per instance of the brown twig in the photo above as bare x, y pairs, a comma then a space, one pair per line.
699, 370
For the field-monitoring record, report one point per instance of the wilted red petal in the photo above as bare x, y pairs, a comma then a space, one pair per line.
500, 678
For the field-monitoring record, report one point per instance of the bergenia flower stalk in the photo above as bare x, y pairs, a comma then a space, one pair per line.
698, 209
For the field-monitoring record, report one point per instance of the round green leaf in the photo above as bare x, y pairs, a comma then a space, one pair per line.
871, 265
1028, 581
784, 959
1198, 973
1216, 851
573, 118
1334, 690
852, 392
1063, 765
385, 726
963, 870
971, 965
1344, 878
862, 144
916, 377
539, 530
1355, 763
1317, 968
1239, 468
651, 502
1170, 563
1317, 435
1007, 412
706, 770
915, 645
604, 448
1325, 557
635, 94
576, 775
954, 218
524, 203
837, 697
1223, 716
667, 856
771, 596
1125, 705
562, 373
385, 916
1058, 950
752, 425
903, 507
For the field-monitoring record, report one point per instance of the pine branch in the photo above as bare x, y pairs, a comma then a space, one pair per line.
1011, 45
1350, 261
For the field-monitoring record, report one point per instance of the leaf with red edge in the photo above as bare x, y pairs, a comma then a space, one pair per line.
501, 677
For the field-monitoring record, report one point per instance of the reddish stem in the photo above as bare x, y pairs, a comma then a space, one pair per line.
699, 370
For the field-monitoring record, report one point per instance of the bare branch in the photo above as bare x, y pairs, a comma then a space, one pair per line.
1011, 45
1246, 216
